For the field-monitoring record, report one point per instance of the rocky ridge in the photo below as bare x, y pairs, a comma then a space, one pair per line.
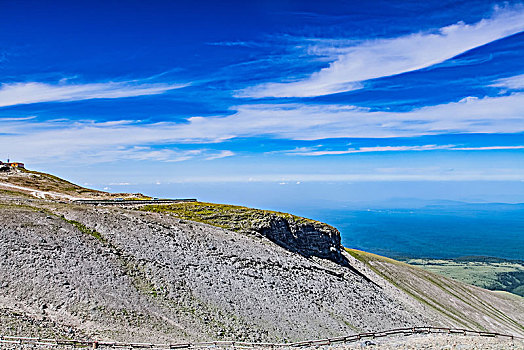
304, 236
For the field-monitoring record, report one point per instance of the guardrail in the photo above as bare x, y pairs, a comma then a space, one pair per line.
132, 201
94, 344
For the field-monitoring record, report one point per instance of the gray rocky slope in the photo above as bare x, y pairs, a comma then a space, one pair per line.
70, 270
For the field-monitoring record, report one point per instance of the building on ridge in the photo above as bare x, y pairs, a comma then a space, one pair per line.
12, 165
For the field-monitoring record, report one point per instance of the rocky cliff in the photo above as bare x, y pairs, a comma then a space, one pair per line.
304, 236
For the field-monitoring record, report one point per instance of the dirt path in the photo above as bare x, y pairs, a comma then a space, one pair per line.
38, 193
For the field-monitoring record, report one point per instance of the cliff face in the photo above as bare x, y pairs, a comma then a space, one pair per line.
300, 235
306, 238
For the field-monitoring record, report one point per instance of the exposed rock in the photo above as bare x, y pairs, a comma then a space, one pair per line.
304, 236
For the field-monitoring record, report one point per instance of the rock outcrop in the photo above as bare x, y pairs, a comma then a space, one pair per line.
307, 238
300, 235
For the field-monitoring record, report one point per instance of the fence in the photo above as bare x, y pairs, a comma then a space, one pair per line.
132, 201
93, 344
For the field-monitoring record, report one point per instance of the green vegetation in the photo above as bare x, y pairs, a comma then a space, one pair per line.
14, 193
415, 281
369, 259
231, 217
83, 228
131, 267
489, 273
49, 183
17, 206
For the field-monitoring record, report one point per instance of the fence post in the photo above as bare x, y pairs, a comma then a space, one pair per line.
95, 345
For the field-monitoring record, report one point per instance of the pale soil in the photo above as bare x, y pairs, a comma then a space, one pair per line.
412, 342
37, 193
433, 341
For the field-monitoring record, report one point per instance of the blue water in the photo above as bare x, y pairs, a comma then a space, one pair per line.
426, 226
495, 230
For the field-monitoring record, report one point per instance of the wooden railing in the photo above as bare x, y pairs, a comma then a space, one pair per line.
132, 201
93, 344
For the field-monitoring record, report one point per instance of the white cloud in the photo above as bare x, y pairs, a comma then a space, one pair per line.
11, 119
147, 153
399, 174
34, 92
221, 154
89, 142
488, 148
511, 83
377, 149
385, 57
501, 114
93, 142
371, 149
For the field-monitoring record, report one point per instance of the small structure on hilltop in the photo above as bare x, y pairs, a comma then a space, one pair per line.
16, 165
10, 165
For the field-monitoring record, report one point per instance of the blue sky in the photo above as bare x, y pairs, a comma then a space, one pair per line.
266, 92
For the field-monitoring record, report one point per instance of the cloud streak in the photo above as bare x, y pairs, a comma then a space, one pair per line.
12, 94
502, 114
400, 174
63, 139
378, 149
512, 83
373, 59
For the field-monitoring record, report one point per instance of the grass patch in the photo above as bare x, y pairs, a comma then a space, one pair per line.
408, 277
84, 229
15, 193
492, 274
231, 217
411, 272
132, 268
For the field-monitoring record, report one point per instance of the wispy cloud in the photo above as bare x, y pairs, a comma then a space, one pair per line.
487, 148
63, 139
144, 153
398, 174
93, 142
378, 149
512, 83
385, 57
370, 149
238, 43
502, 114
34, 92
221, 154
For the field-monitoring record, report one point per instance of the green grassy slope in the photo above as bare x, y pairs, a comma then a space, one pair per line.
463, 305
492, 274
49, 183
231, 217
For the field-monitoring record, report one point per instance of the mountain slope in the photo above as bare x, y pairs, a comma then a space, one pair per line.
461, 305
149, 275
42, 185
